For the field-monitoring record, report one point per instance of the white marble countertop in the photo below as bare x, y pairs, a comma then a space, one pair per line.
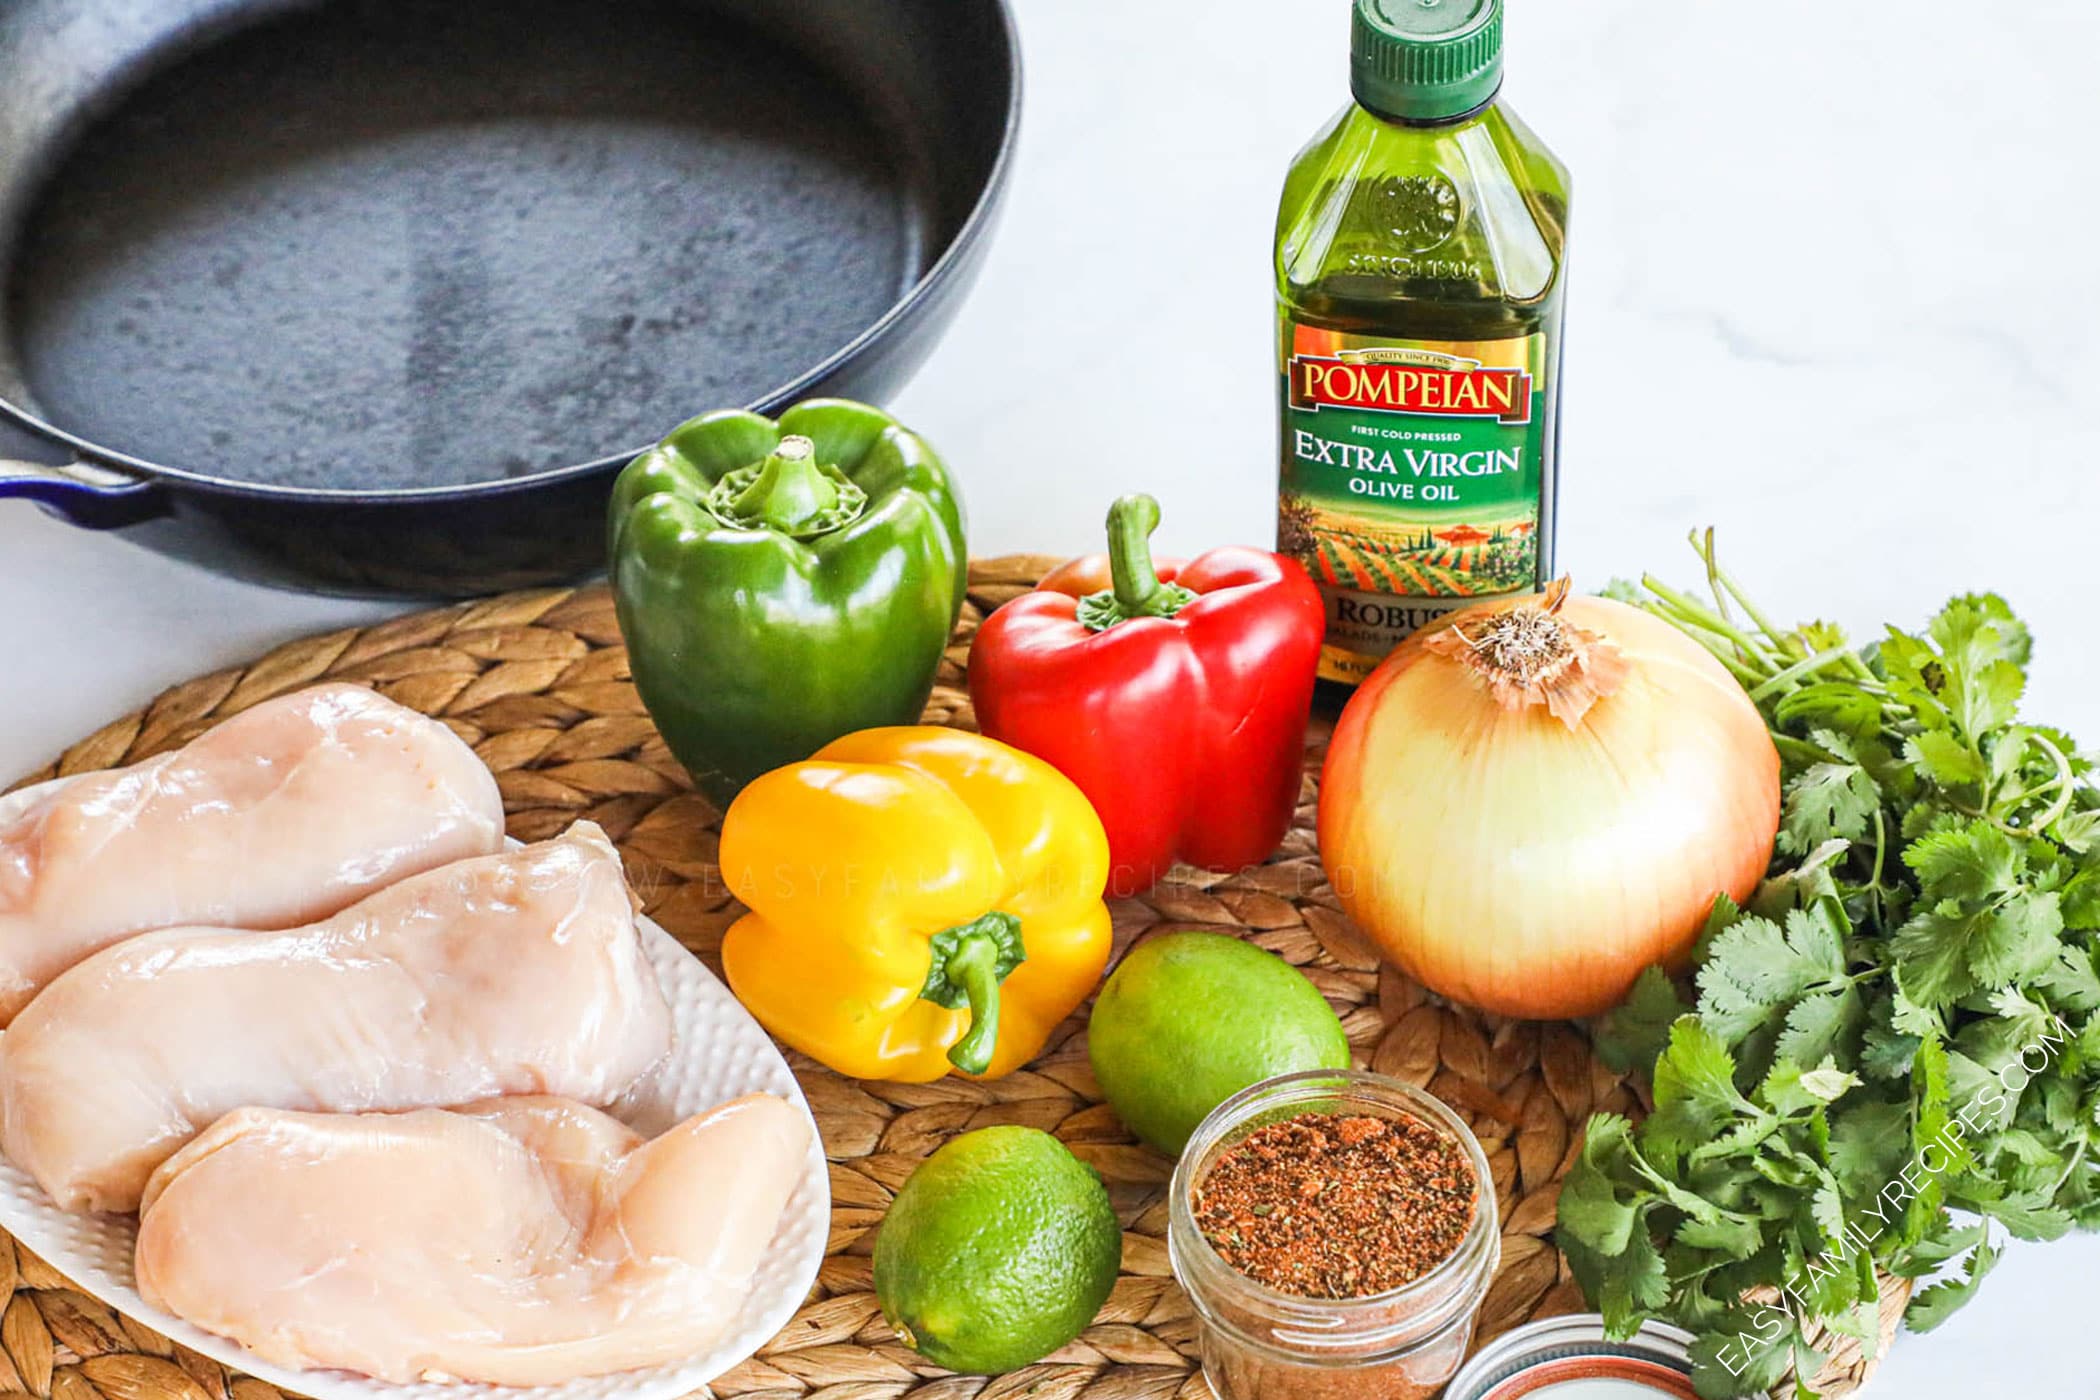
1830, 294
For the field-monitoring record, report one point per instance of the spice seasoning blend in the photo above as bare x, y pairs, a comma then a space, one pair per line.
1326, 1206
1334, 1234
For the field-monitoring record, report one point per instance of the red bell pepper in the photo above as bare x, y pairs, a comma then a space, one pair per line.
1176, 697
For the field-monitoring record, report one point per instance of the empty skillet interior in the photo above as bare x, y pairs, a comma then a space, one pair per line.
398, 244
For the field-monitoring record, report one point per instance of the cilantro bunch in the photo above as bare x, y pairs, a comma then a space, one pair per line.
1893, 1057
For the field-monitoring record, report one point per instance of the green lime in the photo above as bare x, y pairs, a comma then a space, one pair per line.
1190, 1019
1001, 1248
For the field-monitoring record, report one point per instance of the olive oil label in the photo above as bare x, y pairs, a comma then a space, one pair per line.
1412, 479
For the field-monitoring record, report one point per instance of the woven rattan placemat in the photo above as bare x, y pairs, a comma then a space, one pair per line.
537, 683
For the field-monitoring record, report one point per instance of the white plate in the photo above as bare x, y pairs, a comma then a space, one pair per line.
718, 1053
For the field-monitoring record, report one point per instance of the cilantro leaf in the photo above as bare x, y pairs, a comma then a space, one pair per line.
1982, 1098
1635, 1286
1811, 879
1917, 679
1695, 1093
1972, 862
1886, 1051
1819, 1026
1789, 1089
1911, 1019
1635, 1032
2079, 831
1930, 956
2030, 1216
1946, 759
2018, 939
1832, 705
1827, 801
1930, 1307
1868, 1143
1966, 671
1696, 1072
1978, 628
1748, 1356
1737, 1236
2018, 1029
1590, 1206
1952, 1239
2081, 898
1591, 1211
1931, 1112
1984, 647
2072, 981
1755, 967
1826, 1207
1982, 928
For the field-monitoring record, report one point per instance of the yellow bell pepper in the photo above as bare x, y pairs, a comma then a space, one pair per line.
919, 897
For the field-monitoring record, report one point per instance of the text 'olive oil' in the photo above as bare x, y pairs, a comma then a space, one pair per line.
1419, 279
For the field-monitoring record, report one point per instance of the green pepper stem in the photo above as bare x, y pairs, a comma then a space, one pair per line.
974, 966
790, 491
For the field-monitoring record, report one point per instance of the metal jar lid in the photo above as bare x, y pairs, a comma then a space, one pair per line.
1570, 1358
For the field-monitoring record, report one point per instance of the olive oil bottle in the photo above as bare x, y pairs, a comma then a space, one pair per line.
1419, 279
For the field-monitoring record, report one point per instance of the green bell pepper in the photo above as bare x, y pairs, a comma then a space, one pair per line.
782, 584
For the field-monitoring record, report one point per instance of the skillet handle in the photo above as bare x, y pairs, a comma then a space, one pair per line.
95, 498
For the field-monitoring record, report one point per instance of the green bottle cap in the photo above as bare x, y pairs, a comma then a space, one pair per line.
1426, 60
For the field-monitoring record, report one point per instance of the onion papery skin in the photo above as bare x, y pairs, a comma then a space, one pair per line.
1531, 870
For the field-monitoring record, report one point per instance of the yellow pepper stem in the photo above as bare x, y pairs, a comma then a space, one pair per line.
976, 968
969, 963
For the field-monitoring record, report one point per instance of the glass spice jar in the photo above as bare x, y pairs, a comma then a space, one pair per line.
1262, 1344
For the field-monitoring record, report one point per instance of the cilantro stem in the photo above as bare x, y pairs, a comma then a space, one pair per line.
1745, 676
1798, 751
1881, 845
2070, 1169
1705, 619
2062, 785
1703, 542
1764, 665
1786, 643
1804, 667
1782, 643
1858, 666
1991, 814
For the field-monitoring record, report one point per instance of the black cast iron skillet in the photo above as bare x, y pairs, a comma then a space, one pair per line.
376, 295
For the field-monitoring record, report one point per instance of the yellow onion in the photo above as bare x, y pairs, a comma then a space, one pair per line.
1529, 804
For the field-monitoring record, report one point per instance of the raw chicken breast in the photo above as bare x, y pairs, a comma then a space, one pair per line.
518, 1242
283, 814
520, 973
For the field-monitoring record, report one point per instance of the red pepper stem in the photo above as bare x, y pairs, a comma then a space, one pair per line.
1131, 521
1138, 590
974, 966
790, 491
